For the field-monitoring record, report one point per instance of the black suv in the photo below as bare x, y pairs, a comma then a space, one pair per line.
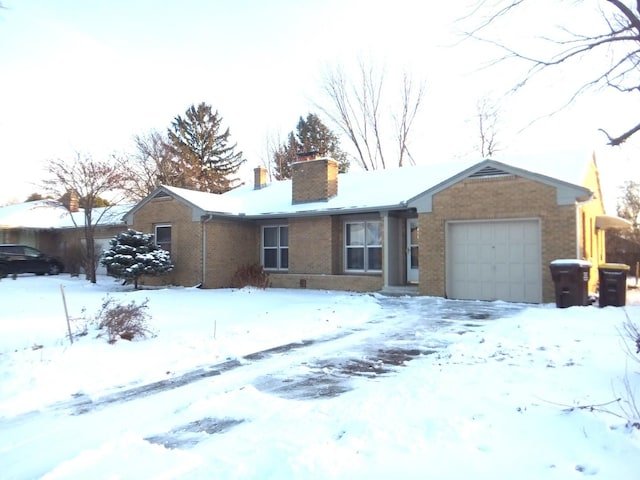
23, 259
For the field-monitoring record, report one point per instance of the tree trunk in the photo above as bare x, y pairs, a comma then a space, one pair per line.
90, 264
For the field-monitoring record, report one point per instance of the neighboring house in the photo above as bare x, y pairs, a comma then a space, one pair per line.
49, 226
484, 230
623, 250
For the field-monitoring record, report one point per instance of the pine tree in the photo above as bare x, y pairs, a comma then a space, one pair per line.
285, 156
207, 160
311, 135
133, 254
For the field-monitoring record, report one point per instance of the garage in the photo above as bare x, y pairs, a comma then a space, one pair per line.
494, 260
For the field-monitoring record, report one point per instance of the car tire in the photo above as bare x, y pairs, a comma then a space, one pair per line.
3, 271
54, 269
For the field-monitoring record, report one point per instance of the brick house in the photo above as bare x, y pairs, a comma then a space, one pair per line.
485, 230
58, 229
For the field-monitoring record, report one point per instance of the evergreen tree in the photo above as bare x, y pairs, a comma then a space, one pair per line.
207, 160
311, 135
285, 156
133, 254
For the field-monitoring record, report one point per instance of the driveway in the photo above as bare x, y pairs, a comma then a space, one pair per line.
408, 328
405, 330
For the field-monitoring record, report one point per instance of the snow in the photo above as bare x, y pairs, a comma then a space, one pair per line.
497, 393
377, 189
44, 214
571, 261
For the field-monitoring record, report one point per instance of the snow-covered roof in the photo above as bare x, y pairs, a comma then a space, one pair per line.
36, 214
375, 190
48, 214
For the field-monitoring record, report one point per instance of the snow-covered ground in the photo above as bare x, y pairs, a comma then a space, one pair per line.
527, 395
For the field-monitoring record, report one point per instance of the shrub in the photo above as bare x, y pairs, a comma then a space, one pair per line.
250, 276
75, 258
633, 333
133, 254
123, 321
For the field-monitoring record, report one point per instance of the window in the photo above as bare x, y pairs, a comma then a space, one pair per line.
275, 247
363, 246
32, 252
163, 237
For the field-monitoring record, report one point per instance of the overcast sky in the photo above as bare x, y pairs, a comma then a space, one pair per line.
87, 76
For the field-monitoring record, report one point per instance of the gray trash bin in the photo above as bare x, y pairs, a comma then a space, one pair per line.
571, 279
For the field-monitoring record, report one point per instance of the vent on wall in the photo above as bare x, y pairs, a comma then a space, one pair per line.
489, 171
161, 194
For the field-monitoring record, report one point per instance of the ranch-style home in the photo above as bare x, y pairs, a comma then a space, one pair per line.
485, 230
58, 229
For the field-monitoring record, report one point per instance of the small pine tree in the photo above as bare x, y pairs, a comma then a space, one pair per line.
133, 254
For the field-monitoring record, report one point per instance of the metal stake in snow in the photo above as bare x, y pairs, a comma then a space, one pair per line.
66, 313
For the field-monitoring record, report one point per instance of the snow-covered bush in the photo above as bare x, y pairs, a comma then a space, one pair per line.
133, 254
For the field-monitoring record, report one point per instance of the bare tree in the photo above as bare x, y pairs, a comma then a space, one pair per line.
150, 166
272, 144
629, 205
88, 179
487, 114
616, 41
411, 101
362, 113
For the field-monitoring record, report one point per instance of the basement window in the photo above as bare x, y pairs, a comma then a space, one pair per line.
275, 247
363, 246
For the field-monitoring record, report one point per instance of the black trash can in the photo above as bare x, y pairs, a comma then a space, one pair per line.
613, 284
571, 279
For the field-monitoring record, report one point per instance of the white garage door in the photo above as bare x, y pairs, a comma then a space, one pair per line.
102, 244
494, 260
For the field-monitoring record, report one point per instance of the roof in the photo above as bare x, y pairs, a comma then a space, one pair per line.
48, 214
378, 190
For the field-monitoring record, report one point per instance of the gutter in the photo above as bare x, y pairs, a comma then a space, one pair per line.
319, 213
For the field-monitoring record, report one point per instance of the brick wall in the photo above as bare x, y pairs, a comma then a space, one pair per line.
311, 245
186, 239
230, 245
489, 199
314, 180
351, 283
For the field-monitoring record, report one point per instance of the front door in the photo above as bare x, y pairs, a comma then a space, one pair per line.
412, 250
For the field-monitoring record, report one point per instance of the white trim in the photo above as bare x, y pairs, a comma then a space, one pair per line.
155, 232
365, 247
408, 246
278, 248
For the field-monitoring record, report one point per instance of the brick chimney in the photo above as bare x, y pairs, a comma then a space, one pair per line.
313, 178
72, 201
259, 178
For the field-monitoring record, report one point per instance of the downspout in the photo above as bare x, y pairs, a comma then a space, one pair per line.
204, 219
